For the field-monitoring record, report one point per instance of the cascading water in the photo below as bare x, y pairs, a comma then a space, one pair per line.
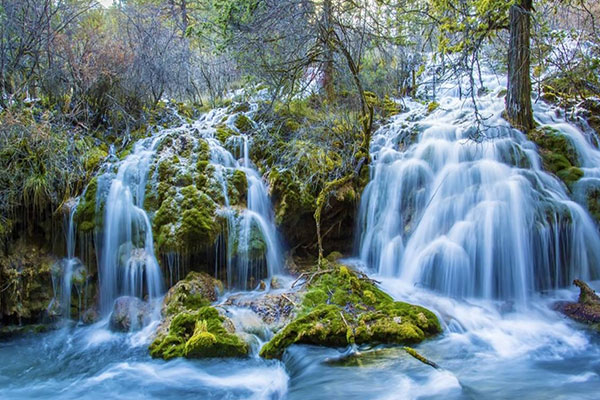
127, 264
468, 218
256, 222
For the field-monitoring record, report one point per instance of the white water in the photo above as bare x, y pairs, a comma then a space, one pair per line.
472, 219
256, 217
127, 264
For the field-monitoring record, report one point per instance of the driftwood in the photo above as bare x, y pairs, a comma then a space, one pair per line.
419, 357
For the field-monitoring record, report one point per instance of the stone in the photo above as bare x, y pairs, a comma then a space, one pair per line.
129, 314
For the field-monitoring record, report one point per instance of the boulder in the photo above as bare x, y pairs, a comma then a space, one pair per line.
191, 327
342, 307
129, 314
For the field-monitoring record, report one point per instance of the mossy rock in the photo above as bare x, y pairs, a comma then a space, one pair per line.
237, 188
223, 132
196, 290
191, 327
432, 106
558, 154
94, 157
342, 308
186, 221
243, 123
26, 279
240, 108
390, 107
593, 203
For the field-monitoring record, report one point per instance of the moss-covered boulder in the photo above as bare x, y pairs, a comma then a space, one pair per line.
194, 291
191, 327
558, 154
341, 308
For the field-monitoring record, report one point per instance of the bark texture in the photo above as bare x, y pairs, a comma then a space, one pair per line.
518, 98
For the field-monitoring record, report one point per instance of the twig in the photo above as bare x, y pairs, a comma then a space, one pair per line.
305, 274
288, 299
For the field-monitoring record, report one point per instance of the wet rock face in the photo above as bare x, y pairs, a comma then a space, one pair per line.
26, 276
587, 307
129, 314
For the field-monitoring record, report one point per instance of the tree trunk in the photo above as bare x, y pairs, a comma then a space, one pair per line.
328, 71
518, 98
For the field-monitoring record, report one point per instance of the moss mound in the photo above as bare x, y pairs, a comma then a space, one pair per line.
558, 154
342, 308
191, 327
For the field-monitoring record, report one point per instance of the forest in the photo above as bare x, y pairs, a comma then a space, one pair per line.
299, 199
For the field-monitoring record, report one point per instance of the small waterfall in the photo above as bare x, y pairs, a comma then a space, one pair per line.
127, 264
69, 263
250, 227
471, 219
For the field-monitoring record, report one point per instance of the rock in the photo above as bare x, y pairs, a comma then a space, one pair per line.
587, 307
191, 327
342, 307
90, 316
129, 314
275, 284
276, 310
196, 285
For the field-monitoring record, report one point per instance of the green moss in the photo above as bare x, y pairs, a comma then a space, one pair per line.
223, 133
197, 332
241, 108
26, 276
593, 203
431, 107
558, 154
93, 157
85, 216
390, 107
340, 308
243, 123
237, 188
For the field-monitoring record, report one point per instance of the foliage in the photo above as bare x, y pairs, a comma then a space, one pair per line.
41, 165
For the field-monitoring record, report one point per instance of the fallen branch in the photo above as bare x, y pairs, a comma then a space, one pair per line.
419, 357
312, 276
288, 299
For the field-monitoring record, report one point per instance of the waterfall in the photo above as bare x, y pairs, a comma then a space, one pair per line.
69, 263
127, 261
469, 218
128, 265
244, 225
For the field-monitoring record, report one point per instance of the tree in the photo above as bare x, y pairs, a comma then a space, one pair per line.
467, 25
518, 97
